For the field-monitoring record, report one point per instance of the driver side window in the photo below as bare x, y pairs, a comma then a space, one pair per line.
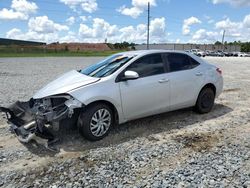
148, 66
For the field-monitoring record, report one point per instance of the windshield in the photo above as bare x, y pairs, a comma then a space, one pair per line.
107, 66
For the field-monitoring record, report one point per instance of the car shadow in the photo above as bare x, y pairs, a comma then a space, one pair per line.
72, 141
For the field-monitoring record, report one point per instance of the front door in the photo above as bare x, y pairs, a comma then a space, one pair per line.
150, 93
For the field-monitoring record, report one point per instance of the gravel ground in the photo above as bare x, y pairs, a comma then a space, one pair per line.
176, 149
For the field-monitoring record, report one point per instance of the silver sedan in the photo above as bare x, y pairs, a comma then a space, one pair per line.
120, 88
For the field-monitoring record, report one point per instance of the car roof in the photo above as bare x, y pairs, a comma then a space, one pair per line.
147, 52
141, 53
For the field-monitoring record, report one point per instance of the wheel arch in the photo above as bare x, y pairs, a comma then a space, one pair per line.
111, 105
209, 85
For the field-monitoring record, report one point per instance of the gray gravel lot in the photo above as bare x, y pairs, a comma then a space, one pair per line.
21, 77
176, 149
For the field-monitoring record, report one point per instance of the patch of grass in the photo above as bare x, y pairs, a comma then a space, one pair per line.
59, 54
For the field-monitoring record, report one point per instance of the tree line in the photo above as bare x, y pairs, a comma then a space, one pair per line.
122, 46
245, 46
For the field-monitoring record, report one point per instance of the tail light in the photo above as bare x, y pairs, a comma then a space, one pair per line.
219, 70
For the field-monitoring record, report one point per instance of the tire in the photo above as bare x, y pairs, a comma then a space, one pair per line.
95, 122
205, 101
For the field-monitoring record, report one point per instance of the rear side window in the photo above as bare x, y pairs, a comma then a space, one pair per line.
193, 62
148, 66
180, 62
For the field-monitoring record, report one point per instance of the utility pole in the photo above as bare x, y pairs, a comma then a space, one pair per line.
223, 37
148, 25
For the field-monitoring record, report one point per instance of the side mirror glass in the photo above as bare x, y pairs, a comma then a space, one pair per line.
130, 75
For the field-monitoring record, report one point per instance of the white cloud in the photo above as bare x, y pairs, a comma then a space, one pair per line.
138, 6
43, 29
203, 36
158, 32
158, 29
13, 33
234, 31
189, 22
231, 26
134, 12
70, 37
83, 18
71, 20
143, 3
24, 6
89, 6
236, 3
39, 29
139, 34
20, 10
31, 35
85, 31
9, 14
227, 24
42, 24
101, 30
246, 21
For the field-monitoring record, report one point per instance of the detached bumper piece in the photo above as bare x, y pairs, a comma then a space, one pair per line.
31, 120
25, 125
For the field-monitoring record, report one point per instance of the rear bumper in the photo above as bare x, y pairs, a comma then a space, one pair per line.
219, 86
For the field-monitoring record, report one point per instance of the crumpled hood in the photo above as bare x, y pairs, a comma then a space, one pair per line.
68, 81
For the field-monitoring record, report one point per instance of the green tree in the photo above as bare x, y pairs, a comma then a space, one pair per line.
218, 43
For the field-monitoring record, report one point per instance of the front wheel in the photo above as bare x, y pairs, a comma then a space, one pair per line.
205, 101
95, 122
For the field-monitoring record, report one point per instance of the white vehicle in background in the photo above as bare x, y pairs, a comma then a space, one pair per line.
198, 52
123, 87
243, 54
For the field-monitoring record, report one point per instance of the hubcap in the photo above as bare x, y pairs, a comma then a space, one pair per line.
100, 122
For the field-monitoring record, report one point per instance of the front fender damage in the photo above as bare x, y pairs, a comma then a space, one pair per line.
34, 119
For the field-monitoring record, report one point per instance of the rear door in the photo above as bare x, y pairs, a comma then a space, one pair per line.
149, 94
186, 78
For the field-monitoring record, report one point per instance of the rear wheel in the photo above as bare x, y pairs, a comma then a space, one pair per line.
95, 122
205, 101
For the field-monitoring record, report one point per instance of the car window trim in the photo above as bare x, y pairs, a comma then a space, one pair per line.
189, 59
192, 59
125, 69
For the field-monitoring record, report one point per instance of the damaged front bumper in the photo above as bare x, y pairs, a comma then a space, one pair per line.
33, 120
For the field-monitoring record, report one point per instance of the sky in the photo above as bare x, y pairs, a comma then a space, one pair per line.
179, 21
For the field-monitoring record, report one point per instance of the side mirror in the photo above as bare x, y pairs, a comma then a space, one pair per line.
130, 75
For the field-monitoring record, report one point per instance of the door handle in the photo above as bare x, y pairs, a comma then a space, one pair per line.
164, 80
199, 74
